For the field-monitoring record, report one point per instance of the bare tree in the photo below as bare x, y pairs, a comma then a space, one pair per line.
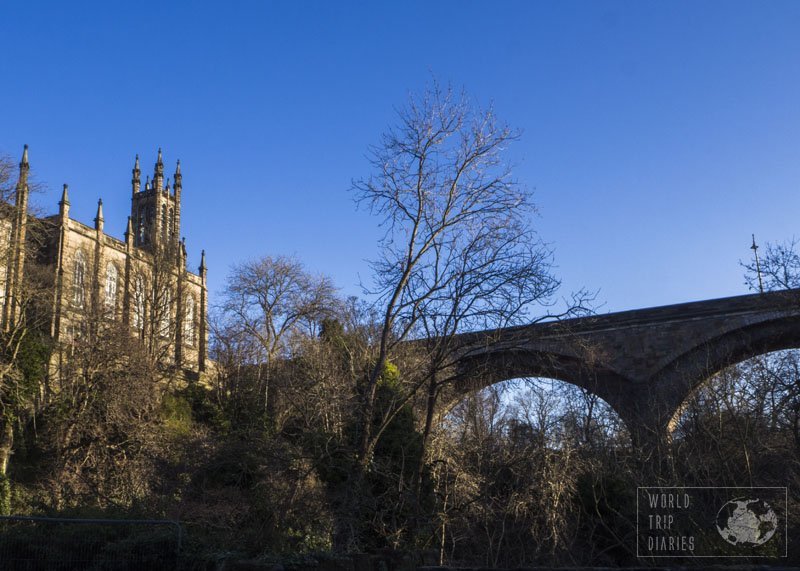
779, 267
274, 297
23, 349
268, 304
101, 427
7, 179
154, 297
459, 252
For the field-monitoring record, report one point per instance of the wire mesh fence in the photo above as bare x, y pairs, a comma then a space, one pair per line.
32, 543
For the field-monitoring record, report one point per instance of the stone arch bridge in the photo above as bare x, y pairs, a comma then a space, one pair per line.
645, 363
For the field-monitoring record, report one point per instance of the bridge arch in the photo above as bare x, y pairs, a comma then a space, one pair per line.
503, 365
551, 408
746, 417
644, 363
690, 370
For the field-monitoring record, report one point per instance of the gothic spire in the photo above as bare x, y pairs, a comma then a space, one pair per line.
98, 219
129, 231
16, 263
24, 167
202, 262
158, 177
137, 176
64, 196
178, 185
63, 204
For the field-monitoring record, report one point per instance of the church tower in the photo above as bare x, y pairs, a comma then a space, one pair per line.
156, 209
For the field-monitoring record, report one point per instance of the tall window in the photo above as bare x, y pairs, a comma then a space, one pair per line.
138, 303
79, 280
112, 280
163, 222
164, 313
141, 225
188, 321
170, 229
2, 284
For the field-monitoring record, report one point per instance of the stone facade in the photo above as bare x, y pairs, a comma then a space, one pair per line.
141, 281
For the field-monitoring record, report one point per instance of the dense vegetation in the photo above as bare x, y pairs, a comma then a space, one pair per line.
261, 464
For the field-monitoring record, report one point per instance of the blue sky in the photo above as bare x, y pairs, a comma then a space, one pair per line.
657, 136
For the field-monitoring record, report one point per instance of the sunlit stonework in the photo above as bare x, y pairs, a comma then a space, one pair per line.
141, 281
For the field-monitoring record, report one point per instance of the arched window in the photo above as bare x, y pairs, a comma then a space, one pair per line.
163, 222
170, 228
138, 304
2, 284
79, 280
112, 280
141, 225
188, 321
164, 310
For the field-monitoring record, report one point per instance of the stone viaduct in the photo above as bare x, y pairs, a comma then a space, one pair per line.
644, 363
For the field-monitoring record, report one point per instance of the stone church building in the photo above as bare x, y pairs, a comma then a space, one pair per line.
142, 281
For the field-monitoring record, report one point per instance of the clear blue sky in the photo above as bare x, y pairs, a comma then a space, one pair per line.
657, 135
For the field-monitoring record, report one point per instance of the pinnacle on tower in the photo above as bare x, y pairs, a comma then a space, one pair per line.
158, 177
64, 196
63, 204
202, 262
137, 176
129, 231
178, 184
98, 219
24, 167
147, 183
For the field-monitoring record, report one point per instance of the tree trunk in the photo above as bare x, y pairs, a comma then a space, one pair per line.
430, 407
6, 444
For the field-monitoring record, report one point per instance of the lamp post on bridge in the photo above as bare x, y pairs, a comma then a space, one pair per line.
754, 247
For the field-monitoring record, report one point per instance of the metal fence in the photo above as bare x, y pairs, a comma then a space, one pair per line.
32, 543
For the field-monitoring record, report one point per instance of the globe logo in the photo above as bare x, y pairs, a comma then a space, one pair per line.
746, 522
